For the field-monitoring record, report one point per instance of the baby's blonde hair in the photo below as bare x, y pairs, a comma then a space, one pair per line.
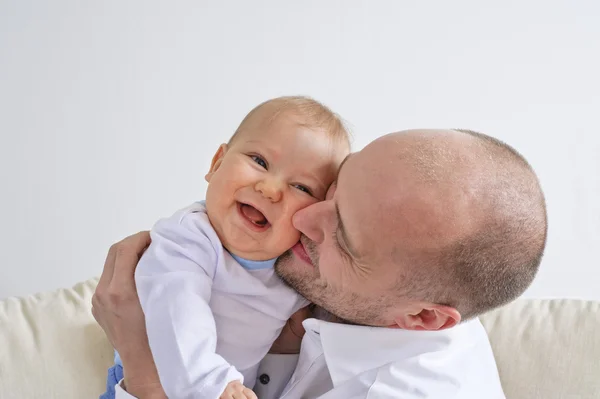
312, 114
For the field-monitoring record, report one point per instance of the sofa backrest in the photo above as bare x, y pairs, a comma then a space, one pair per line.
51, 347
547, 348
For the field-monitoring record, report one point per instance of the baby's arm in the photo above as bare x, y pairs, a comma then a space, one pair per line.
174, 279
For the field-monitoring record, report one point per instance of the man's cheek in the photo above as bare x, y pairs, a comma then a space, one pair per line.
326, 268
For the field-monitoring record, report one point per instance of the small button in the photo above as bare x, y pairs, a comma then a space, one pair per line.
264, 379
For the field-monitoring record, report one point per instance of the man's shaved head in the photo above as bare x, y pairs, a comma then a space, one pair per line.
482, 240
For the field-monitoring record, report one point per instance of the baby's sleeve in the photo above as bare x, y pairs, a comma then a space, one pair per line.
174, 281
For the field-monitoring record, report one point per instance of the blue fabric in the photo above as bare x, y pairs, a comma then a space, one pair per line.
118, 359
115, 374
254, 264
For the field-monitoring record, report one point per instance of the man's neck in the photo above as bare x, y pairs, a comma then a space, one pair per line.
322, 314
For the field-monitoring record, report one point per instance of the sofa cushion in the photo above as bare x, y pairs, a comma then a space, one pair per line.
547, 349
51, 346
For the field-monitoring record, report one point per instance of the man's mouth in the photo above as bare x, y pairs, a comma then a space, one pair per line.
300, 252
253, 216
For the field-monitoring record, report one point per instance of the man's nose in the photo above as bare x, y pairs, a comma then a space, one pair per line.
313, 220
270, 189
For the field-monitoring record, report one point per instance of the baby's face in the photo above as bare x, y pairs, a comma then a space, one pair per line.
268, 173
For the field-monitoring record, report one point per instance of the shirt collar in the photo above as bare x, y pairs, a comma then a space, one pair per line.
342, 344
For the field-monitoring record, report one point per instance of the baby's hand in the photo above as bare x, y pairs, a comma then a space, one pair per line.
236, 390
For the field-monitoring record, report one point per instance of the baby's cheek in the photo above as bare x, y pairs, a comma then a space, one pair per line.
285, 236
289, 236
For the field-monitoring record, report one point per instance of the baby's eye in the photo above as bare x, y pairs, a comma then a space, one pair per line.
259, 160
303, 188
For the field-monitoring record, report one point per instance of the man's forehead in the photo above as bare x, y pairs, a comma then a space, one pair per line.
344, 161
339, 170
388, 197
364, 195
347, 208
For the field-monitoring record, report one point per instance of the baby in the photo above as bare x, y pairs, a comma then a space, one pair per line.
212, 301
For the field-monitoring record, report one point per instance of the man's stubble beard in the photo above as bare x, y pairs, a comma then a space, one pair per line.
330, 301
293, 276
306, 287
302, 279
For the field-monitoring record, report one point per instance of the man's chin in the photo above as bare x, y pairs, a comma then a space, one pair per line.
292, 271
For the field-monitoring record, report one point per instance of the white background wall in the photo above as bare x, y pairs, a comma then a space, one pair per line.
111, 110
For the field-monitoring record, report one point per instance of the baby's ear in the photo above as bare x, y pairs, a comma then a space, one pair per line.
216, 161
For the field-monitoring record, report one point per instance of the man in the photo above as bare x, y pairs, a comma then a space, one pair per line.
423, 231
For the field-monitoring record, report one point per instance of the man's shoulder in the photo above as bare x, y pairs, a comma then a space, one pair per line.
456, 362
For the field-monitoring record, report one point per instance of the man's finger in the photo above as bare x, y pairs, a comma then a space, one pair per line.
127, 256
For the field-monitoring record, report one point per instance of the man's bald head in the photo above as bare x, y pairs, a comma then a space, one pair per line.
472, 222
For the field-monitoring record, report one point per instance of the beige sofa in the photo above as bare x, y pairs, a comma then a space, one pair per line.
50, 347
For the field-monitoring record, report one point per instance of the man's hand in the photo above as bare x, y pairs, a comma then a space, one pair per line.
116, 307
290, 338
236, 390
115, 301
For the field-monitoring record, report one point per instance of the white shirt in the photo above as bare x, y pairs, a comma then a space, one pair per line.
339, 361
354, 362
209, 320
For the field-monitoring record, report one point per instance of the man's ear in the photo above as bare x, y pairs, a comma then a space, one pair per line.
429, 317
216, 161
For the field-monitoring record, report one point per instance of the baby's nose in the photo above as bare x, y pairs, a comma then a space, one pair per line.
270, 189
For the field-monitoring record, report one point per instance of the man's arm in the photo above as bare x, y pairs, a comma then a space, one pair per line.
116, 307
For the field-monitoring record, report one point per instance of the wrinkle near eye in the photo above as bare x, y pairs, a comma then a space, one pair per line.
340, 248
362, 270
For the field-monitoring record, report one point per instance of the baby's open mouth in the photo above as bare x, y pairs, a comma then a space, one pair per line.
253, 215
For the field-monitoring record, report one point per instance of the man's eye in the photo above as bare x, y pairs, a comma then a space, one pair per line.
336, 241
259, 160
303, 188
